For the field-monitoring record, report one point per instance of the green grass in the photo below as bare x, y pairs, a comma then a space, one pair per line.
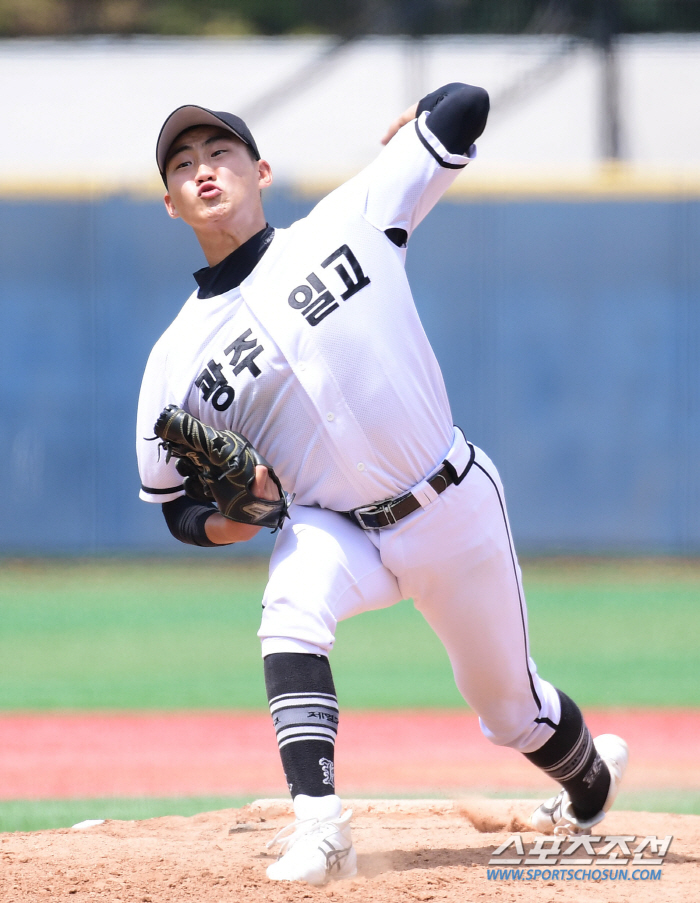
182, 635
121, 635
682, 802
617, 633
39, 815
172, 635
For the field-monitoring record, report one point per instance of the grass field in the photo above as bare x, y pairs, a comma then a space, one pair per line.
38, 815
131, 635
125, 635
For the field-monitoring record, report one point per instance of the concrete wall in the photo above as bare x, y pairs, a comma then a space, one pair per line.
88, 112
568, 333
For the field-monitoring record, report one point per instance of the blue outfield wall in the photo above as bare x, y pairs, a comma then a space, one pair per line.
568, 334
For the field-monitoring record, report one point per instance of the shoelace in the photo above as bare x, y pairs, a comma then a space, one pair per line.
288, 835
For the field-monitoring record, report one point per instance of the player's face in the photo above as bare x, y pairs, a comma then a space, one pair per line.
212, 178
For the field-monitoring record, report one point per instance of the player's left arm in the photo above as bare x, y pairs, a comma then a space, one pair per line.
426, 148
199, 523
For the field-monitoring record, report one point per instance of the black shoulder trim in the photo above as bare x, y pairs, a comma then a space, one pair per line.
435, 154
398, 236
161, 491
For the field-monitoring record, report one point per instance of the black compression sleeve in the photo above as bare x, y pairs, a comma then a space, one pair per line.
185, 519
457, 115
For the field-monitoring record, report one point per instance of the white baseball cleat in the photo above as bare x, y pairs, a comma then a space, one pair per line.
556, 816
317, 847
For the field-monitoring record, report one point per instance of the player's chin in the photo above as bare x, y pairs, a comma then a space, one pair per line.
216, 203
214, 210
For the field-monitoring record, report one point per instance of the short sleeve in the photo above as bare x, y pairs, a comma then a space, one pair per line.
160, 481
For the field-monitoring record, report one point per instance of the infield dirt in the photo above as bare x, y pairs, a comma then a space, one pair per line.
418, 850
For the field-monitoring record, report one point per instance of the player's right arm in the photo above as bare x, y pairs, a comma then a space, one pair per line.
426, 148
457, 116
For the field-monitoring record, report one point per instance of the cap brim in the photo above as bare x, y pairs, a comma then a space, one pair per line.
186, 118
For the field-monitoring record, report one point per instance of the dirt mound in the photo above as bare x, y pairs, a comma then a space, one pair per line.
407, 850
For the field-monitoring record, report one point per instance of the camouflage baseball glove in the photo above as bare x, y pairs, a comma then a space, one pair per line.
219, 465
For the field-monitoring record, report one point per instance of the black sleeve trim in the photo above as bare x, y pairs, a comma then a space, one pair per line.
162, 491
457, 115
186, 519
435, 154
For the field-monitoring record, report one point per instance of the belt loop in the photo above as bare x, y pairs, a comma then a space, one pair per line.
382, 514
456, 478
424, 493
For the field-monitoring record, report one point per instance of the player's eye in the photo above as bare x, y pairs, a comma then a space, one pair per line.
221, 150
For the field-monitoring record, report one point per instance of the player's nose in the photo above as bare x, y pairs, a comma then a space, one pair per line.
205, 173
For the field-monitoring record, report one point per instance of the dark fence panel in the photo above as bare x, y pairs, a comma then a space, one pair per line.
569, 338
568, 334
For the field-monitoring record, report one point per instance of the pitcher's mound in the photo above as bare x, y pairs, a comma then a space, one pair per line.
408, 850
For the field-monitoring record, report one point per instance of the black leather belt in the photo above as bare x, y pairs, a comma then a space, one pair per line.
387, 513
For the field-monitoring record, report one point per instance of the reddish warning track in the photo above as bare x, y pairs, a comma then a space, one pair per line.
198, 754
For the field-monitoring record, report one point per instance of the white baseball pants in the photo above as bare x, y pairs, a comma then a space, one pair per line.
455, 559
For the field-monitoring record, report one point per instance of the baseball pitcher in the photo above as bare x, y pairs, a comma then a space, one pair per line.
296, 390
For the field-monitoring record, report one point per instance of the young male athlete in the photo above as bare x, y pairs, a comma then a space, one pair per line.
306, 340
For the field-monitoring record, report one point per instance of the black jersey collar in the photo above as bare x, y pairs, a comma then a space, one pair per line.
232, 270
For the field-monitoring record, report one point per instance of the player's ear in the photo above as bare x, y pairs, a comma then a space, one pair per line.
170, 207
264, 174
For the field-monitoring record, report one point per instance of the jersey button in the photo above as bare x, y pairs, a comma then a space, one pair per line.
360, 466
330, 416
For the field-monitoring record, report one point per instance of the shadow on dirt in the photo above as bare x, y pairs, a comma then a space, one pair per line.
370, 865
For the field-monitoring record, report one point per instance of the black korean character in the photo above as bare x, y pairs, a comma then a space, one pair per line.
352, 285
314, 309
213, 385
236, 349
223, 397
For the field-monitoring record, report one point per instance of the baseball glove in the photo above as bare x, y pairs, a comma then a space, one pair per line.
219, 465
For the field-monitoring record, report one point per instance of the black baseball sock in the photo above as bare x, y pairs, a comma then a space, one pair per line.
304, 711
571, 759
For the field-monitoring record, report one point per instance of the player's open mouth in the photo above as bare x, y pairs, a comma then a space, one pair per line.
209, 190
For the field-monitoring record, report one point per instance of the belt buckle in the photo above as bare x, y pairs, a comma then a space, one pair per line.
380, 508
366, 509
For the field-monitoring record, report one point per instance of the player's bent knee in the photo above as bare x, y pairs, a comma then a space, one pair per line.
524, 724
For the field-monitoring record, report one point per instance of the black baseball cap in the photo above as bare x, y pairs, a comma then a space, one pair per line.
191, 115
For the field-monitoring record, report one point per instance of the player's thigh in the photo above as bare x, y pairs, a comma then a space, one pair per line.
323, 570
457, 563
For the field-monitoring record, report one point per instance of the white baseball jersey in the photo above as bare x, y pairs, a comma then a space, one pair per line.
319, 357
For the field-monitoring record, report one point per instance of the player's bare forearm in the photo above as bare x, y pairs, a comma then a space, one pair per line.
223, 532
